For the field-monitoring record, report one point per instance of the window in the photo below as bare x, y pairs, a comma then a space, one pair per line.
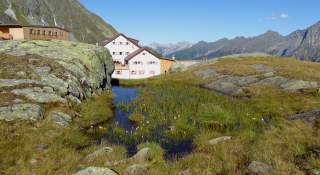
50, 33
114, 43
116, 62
56, 34
31, 31
152, 62
152, 72
120, 53
120, 43
113, 53
118, 72
127, 53
138, 63
38, 32
143, 53
43, 32
127, 43
133, 72
141, 72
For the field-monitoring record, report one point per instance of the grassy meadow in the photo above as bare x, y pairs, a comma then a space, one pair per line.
45, 148
172, 112
176, 109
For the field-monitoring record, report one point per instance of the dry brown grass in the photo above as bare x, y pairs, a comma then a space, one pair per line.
287, 67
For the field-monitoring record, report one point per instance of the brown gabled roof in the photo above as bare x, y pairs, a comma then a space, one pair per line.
109, 40
134, 40
133, 54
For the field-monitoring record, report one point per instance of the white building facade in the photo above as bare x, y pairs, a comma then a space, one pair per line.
131, 61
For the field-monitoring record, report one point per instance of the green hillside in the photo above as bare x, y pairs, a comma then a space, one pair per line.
70, 14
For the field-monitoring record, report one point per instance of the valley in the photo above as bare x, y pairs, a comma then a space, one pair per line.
233, 115
78, 97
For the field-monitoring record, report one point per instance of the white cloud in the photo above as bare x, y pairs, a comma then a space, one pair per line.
284, 16
281, 16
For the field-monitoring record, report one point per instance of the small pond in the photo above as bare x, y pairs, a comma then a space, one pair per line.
120, 118
123, 95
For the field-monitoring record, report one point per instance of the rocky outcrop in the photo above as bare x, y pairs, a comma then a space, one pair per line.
234, 85
37, 95
44, 72
32, 112
231, 84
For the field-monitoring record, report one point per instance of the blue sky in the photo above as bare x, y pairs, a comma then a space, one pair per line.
166, 21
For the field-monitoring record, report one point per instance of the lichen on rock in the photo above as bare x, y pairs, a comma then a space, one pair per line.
45, 72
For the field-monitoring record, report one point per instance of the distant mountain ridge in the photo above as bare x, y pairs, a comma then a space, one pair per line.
167, 49
70, 14
302, 44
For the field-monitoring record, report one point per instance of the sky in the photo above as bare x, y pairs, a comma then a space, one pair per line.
170, 21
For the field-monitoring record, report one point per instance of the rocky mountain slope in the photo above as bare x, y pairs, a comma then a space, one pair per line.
167, 49
302, 44
34, 74
70, 14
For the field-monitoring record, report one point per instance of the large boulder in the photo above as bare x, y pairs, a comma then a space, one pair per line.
32, 112
88, 63
51, 72
96, 171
